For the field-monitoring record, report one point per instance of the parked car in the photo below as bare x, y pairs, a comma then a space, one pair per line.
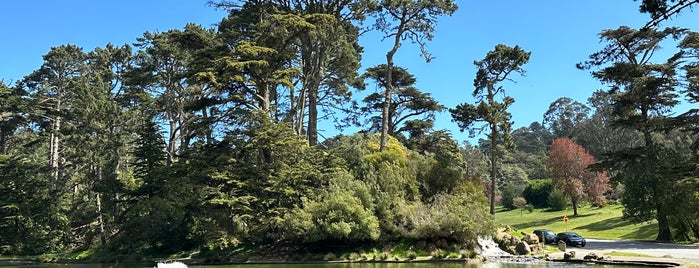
545, 236
571, 239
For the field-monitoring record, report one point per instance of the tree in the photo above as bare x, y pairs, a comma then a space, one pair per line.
12, 115
661, 10
565, 116
412, 20
316, 42
568, 164
643, 94
598, 135
533, 139
492, 70
51, 88
329, 56
411, 111
520, 203
164, 69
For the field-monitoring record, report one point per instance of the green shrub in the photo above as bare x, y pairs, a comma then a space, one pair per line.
411, 255
439, 254
330, 257
557, 200
509, 193
529, 208
354, 256
537, 192
384, 256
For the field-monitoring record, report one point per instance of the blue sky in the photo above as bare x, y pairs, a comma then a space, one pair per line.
558, 33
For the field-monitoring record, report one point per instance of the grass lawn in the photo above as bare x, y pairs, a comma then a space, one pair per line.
601, 223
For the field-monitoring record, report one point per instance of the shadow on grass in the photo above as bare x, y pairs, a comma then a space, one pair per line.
547, 221
607, 224
645, 229
540, 222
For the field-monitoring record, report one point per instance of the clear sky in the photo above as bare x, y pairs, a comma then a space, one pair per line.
558, 34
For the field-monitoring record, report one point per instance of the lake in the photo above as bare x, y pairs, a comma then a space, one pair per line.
492, 264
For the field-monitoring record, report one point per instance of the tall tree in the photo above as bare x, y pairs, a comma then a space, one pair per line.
661, 10
324, 39
564, 116
12, 115
643, 95
598, 135
568, 163
413, 20
52, 91
163, 69
411, 110
495, 68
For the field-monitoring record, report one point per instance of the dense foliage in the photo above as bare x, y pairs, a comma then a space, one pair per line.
207, 139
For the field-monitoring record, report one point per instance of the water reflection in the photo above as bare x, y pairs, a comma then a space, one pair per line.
337, 265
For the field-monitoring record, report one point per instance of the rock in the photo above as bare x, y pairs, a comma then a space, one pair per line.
473, 245
562, 245
514, 241
523, 248
592, 257
531, 239
569, 255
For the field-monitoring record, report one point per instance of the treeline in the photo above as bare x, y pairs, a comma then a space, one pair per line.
209, 138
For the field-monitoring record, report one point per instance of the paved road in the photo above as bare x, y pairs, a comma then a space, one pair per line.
647, 248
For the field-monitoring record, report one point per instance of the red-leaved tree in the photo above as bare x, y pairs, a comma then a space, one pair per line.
568, 164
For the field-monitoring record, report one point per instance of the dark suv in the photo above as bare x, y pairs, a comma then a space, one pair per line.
571, 239
545, 236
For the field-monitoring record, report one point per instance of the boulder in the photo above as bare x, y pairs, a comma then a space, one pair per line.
514, 241
531, 239
473, 245
569, 255
562, 245
523, 248
592, 257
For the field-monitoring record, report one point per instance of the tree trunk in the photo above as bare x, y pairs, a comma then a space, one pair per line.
664, 233
385, 113
575, 206
54, 150
312, 116
493, 166
387, 101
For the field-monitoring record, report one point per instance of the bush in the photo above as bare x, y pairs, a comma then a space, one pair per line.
439, 254
509, 193
537, 192
330, 257
529, 208
557, 200
411, 255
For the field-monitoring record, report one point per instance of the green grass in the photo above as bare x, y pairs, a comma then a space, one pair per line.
626, 254
591, 222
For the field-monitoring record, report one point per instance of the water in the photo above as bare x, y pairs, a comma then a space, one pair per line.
337, 265
490, 248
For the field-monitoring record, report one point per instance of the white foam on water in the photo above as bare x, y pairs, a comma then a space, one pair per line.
490, 248
174, 264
